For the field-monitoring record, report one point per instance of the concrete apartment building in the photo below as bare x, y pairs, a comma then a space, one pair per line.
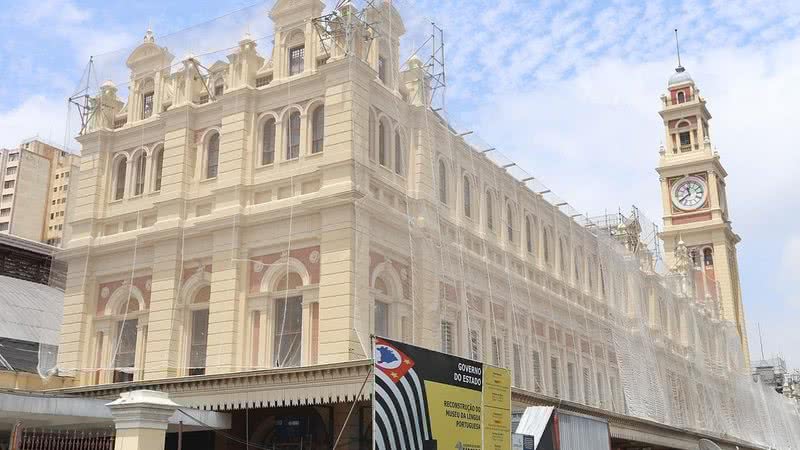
240, 232
35, 180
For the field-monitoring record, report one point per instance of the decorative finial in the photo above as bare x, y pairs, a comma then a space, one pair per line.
148, 35
680, 68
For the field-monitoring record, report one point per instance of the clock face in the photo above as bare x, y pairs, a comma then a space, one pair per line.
689, 193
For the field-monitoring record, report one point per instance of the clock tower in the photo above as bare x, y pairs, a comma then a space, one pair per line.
694, 201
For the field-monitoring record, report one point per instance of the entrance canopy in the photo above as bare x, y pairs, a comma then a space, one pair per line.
48, 411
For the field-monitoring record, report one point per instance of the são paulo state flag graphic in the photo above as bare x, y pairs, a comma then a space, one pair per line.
401, 413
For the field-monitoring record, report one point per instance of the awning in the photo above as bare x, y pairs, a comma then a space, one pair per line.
534, 422
49, 411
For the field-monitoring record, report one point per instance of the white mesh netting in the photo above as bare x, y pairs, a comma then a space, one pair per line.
237, 211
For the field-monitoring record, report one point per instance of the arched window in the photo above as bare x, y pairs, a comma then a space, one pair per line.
158, 166
139, 167
371, 148
528, 235
578, 268
268, 142
546, 244
681, 97
293, 136
288, 324
602, 281
317, 129
219, 87
212, 156
399, 160
467, 198
510, 223
562, 256
119, 178
489, 212
695, 257
382, 299
198, 335
127, 329
442, 182
382, 157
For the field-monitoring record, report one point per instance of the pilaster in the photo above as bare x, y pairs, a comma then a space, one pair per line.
163, 339
223, 318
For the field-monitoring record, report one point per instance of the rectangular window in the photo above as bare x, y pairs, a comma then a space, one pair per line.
263, 81
600, 391
5, 212
587, 386
52, 215
555, 376
13, 156
3, 226
125, 359
537, 372
199, 342
203, 99
571, 381
8, 197
381, 319
447, 337
685, 139
475, 345
497, 352
8, 184
11, 170
288, 331
147, 105
382, 69
518, 378
296, 60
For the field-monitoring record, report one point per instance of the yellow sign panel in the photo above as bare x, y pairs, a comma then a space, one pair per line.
496, 408
427, 400
455, 416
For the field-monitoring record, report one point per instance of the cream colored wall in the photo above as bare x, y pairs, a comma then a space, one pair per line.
342, 201
30, 196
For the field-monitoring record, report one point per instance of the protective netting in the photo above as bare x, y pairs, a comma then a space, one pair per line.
245, 207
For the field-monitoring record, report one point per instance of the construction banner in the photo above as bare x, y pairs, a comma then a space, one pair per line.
427, 400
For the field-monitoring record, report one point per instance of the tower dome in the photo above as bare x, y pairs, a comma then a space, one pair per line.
680, 76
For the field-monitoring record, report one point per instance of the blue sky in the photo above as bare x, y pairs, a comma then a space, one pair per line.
582, 79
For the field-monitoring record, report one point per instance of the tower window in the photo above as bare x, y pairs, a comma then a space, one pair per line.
147, 105
382, 69
268, 142
219, 87
296, 60
317, 129
685, 138
681, 97
212, 156
708, 257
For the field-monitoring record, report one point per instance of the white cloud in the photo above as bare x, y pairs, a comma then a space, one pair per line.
37, 116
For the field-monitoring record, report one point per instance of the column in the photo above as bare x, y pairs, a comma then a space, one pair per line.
139, 357
141, 419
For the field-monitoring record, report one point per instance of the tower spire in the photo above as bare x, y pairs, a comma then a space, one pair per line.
678, 49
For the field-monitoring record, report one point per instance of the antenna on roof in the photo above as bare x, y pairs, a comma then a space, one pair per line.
678, 48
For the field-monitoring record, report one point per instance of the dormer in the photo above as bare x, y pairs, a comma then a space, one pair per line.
385, 51
244, 64
218, 79
106, 106
150, 66
295, 50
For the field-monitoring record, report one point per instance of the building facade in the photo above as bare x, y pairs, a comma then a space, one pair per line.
277, 210
29, 207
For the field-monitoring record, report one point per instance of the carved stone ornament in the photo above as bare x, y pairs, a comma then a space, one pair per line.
404, 274
314, 257
148, 285
105, 292
258, 267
